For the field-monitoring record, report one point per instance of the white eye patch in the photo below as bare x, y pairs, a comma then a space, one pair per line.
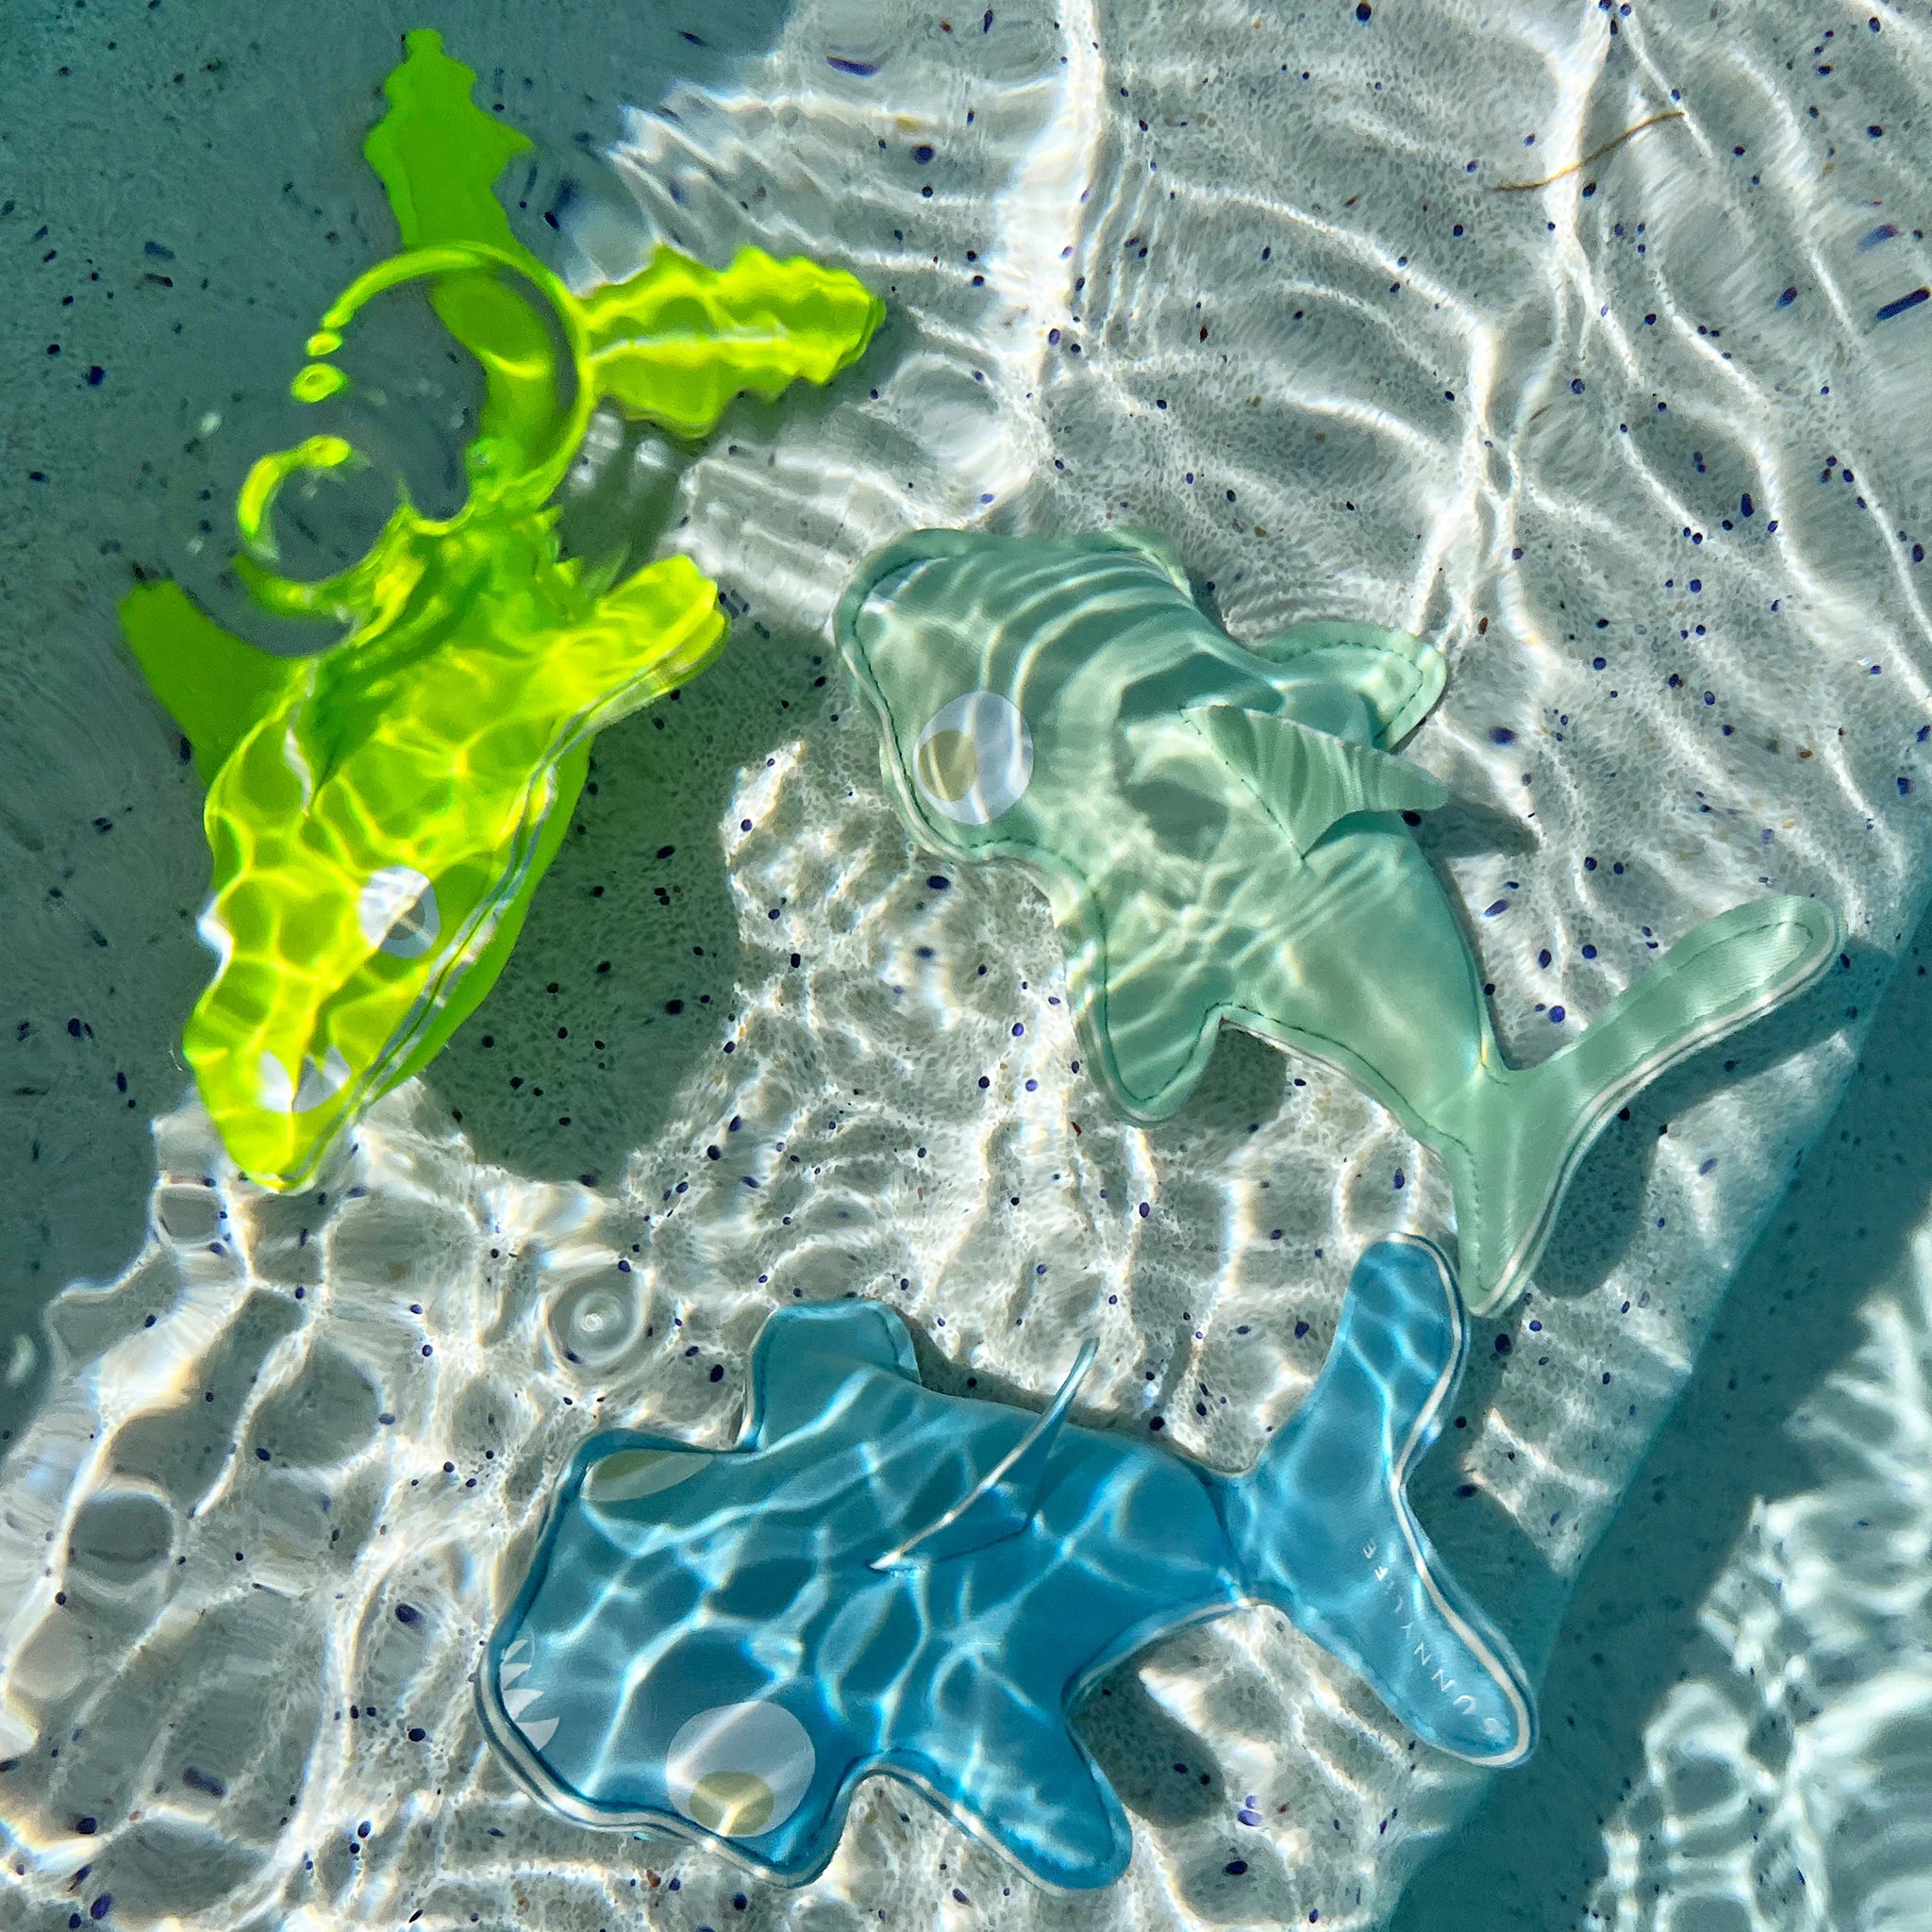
740, 1769
974, 758
397, 911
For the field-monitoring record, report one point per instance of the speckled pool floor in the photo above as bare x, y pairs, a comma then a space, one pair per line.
1643, 449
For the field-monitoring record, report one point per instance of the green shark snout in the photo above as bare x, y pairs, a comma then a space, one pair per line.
957, 747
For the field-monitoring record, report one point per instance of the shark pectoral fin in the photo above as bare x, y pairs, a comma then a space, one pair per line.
803, 1354
1010, 1771
1398, 676
653, 631
1002, 1502
1146, 989
214, 683
1308, 780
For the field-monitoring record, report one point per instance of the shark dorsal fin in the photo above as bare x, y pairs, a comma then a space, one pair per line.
1002, 1502
1307, 779
1399, 677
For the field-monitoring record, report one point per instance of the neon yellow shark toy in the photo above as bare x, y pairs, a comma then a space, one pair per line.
380, 814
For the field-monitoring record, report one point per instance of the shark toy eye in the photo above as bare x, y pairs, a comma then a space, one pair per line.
740, 1769
974, 758
398, 913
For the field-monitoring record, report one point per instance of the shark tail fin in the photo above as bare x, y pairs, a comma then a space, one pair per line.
1322, 1527
1524, 1131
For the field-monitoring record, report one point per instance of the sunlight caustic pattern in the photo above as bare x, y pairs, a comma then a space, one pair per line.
1294, 328
1792, 1792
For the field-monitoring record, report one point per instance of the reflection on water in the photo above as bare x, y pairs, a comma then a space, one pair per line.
1661, 1623
1349, 380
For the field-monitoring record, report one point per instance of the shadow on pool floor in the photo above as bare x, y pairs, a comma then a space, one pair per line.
1533, 1853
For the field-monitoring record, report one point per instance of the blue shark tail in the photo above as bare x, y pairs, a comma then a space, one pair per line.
1514, 1137
1321, 1526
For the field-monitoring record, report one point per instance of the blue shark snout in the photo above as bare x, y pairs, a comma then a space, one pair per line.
624, 1688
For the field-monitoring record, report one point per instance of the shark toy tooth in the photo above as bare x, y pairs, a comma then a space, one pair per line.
1219, 829
880, 1579
380, 814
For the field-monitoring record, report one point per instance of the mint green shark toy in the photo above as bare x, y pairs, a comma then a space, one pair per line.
380, 814
1219, 829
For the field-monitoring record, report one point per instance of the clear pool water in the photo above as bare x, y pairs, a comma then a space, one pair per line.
1379, 311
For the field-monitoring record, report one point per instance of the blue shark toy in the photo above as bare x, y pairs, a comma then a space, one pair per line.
1217, 827
882, 1578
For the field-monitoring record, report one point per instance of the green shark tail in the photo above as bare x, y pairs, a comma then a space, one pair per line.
1518, 1137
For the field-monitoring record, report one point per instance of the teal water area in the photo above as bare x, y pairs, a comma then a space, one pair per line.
1586, 344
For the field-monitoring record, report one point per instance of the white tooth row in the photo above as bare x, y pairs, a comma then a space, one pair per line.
280, 1093
758, 1741
540, 1730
